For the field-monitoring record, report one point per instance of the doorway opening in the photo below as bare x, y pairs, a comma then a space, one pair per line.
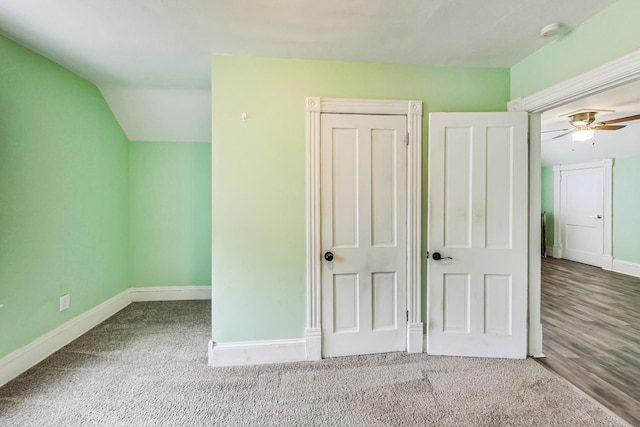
614, 75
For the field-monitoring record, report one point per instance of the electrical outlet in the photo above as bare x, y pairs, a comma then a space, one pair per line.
65, 302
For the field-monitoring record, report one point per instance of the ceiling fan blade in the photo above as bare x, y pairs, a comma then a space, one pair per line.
565, 134
621, 119
555, 130
606, 127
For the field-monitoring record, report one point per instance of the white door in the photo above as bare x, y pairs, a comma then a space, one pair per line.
581, 221
478, 201
363, 227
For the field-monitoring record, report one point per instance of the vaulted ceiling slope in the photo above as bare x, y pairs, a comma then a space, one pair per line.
168, 43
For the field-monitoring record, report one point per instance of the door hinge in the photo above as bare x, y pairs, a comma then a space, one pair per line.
407, 315
406, 138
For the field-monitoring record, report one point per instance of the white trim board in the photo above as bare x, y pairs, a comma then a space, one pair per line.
18, 361
257, 352
622, 70
42, 347
626, 267
170, 293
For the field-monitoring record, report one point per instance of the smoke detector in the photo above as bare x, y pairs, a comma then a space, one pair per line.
550, 30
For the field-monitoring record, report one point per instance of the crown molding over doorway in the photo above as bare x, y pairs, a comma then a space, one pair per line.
612, 74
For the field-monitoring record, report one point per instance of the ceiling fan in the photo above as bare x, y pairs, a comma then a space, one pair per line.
584, 125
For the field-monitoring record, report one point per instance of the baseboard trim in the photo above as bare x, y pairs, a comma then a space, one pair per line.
607, 262
626, 267
18, 361
42, 347
257, 352
170, 293
313, 343
415, 338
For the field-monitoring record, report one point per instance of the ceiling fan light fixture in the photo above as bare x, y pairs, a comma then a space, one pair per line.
582, 135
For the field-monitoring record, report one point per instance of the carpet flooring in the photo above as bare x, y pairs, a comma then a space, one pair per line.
147, 366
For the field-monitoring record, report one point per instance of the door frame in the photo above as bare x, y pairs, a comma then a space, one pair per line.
607, 208
412, 109
607, 76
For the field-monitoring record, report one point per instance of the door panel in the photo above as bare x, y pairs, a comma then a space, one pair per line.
456, 303
478, 199
345, 188
363, 211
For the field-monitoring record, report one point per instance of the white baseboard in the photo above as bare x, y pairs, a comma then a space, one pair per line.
626, 267
415, 338
256, 352
170, 293
550, 251
18, 361
25, 357
313, 343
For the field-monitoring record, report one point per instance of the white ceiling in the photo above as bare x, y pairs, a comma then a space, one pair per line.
624, 100
168, 43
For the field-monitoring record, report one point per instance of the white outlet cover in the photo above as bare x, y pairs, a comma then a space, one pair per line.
65, 302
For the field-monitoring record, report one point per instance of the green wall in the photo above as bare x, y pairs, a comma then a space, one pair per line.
608, 35
170, 213
626, 205
63, 196
547, 201
83, 210
258, 172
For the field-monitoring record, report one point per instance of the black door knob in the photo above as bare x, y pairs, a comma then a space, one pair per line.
328, 256
437, 257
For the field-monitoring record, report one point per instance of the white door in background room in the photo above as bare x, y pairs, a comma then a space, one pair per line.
582, 213
478, 234
363, 232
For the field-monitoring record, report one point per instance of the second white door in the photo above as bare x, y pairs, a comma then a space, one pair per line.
363, 233
582, 211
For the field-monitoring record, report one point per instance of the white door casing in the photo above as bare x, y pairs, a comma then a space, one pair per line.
478, 216
582, 212
363, 228
412, 112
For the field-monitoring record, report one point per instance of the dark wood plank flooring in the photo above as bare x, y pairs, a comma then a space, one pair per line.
591, 332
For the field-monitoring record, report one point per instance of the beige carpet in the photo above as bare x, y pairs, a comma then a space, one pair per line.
146, 366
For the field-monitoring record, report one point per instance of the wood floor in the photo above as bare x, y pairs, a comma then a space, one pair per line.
591, 332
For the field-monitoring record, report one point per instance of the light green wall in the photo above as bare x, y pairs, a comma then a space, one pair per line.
608, 35
626, 205
547, 201
258, 172
170, 213
63, 196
